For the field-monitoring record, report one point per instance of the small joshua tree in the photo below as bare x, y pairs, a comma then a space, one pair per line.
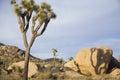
54, 53
28, 11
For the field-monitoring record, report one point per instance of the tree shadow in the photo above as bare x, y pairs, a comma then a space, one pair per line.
102, 60
113, 64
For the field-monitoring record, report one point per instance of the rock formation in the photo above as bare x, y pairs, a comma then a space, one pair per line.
92, 61
13, 52
33, 69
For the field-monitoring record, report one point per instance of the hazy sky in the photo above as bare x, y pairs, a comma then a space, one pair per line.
79, 24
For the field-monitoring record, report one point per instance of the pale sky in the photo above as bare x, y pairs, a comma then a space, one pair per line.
79, 24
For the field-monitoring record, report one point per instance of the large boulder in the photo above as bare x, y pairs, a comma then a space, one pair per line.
93, 61
33, 69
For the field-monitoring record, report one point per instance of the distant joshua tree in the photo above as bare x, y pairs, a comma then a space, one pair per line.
40, 15
54, 53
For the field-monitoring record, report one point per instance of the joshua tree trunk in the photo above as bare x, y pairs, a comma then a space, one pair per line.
54, 58
27, 53
26, 64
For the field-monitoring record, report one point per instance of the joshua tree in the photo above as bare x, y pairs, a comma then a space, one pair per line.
42, 14
54, 53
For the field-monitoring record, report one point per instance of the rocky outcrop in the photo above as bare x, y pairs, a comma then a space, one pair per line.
91, 61
33, 69
11, 51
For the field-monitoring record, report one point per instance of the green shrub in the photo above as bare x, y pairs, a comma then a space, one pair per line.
16, 69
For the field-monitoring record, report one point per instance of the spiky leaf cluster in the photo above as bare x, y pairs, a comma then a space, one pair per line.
17, 10
43, 12
46, 6
29, 5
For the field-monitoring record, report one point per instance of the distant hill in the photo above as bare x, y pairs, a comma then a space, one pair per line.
1, 44
52, 59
